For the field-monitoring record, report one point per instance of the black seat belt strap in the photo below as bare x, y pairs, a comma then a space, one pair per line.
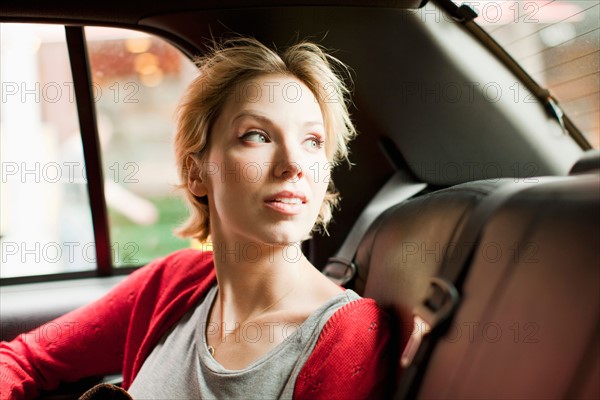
340, 268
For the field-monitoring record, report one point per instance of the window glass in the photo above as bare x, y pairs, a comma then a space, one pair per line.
138, 80
45, 223
558, 43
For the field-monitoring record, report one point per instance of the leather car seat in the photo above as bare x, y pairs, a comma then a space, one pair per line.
528, 324
406, 245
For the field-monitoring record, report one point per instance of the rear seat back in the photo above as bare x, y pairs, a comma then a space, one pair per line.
528, 325
406, 245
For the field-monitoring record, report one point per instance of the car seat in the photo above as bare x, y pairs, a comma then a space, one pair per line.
527, 324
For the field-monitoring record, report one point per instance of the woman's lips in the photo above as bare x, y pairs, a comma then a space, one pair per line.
286, 202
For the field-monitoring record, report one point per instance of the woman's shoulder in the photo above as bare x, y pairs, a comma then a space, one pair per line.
351, 356
360, 315
180, 272
181, 264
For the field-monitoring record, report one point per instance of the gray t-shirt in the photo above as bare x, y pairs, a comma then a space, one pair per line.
180, 366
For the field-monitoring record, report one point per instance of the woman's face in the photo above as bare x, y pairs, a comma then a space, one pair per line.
266, 172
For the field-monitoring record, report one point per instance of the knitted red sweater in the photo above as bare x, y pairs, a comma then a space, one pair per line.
119, 331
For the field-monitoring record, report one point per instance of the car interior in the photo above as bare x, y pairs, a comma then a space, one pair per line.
489, 268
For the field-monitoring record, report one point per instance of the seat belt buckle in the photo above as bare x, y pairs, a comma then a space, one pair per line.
339, 270
428, 315
420, 329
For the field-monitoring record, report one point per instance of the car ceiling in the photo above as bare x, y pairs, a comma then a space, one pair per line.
132, 12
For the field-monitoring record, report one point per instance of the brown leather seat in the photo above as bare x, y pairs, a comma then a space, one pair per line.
528, 324
405, 247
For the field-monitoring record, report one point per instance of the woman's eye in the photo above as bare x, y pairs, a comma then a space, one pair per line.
256, 137
314, 143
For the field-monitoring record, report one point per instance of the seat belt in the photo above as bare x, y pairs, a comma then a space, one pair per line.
441, 302
341, 268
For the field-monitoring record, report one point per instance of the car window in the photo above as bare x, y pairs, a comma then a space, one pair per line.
558, 43
138, 79
46, 224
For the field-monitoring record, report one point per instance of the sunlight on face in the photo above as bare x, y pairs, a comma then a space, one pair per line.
266, 172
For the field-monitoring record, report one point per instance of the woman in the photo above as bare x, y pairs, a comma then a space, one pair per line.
258, 134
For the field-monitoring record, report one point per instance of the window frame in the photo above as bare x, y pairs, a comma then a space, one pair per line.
86, 114
466, 16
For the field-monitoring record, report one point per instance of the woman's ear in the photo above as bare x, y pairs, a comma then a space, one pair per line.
195, 183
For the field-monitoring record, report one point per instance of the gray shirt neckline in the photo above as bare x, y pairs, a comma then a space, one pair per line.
305, 328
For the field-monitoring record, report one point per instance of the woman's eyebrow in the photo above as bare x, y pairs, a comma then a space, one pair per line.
265, 119
251, 114
313, 123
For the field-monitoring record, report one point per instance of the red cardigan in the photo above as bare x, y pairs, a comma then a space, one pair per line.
118, 332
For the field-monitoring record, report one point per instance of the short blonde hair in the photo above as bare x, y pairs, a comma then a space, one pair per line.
234, 62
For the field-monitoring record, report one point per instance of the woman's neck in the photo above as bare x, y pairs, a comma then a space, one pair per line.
252, 277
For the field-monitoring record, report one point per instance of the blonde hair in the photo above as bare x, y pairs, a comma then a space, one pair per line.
234, 62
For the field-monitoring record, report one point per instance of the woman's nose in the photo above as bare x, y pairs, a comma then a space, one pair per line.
288, 164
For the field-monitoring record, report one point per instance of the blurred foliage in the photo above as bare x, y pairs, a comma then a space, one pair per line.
136, 245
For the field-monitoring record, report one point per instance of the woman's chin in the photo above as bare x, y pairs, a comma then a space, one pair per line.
282, 238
